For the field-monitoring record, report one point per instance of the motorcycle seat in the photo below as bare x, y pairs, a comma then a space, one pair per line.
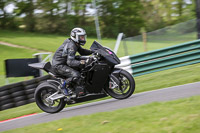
48, 68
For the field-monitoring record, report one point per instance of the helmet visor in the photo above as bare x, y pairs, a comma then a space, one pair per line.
82, 37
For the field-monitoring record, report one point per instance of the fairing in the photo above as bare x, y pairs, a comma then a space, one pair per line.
108, 54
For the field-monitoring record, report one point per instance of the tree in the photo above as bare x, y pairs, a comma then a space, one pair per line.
6, 19
49, 18
26, 8
120, 16
159, 13
3, 15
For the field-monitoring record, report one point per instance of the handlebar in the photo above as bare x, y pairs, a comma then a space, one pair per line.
83, 57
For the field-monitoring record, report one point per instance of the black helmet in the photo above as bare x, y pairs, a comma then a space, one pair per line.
79, 36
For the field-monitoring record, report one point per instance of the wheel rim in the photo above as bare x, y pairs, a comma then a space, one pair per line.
124, 86
45, 93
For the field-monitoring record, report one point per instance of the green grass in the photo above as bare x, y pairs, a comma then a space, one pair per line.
46, 42
153, 81
49, 42
12, 53
179, 116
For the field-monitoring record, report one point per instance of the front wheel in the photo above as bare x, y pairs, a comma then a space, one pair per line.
42, 92
125, 88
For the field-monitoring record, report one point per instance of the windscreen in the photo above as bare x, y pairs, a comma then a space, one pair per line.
108, 54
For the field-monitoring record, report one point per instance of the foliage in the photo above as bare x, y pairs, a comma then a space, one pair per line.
60, 16
26, 8
6, 19
120, 16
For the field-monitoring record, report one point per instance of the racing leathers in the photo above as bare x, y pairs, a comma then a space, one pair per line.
64, 60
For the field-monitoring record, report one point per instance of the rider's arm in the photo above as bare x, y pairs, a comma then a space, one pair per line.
83, 51
71, 61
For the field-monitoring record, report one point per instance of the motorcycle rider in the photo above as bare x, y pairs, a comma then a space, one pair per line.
66, 63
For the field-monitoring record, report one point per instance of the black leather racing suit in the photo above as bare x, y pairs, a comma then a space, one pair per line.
64, 62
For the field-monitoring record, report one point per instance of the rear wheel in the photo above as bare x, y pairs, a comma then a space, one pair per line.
42, 92
125, 88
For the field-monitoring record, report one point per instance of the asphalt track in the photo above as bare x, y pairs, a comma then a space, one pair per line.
166, 94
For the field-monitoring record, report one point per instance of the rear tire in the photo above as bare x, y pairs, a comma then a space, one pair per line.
44, 90
126, 89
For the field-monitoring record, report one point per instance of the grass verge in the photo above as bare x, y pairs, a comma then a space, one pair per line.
159, 117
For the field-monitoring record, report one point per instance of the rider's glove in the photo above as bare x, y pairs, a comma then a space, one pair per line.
82, 63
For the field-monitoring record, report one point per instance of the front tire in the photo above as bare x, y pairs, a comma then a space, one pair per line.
42, 92
126, 87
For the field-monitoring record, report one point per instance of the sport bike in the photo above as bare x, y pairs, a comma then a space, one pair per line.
99, 77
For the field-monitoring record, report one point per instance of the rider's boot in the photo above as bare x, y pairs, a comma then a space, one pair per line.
65, 89
80, 91
79, 88
68, 92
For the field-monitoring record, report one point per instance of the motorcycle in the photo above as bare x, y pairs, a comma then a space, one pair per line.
99, 77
